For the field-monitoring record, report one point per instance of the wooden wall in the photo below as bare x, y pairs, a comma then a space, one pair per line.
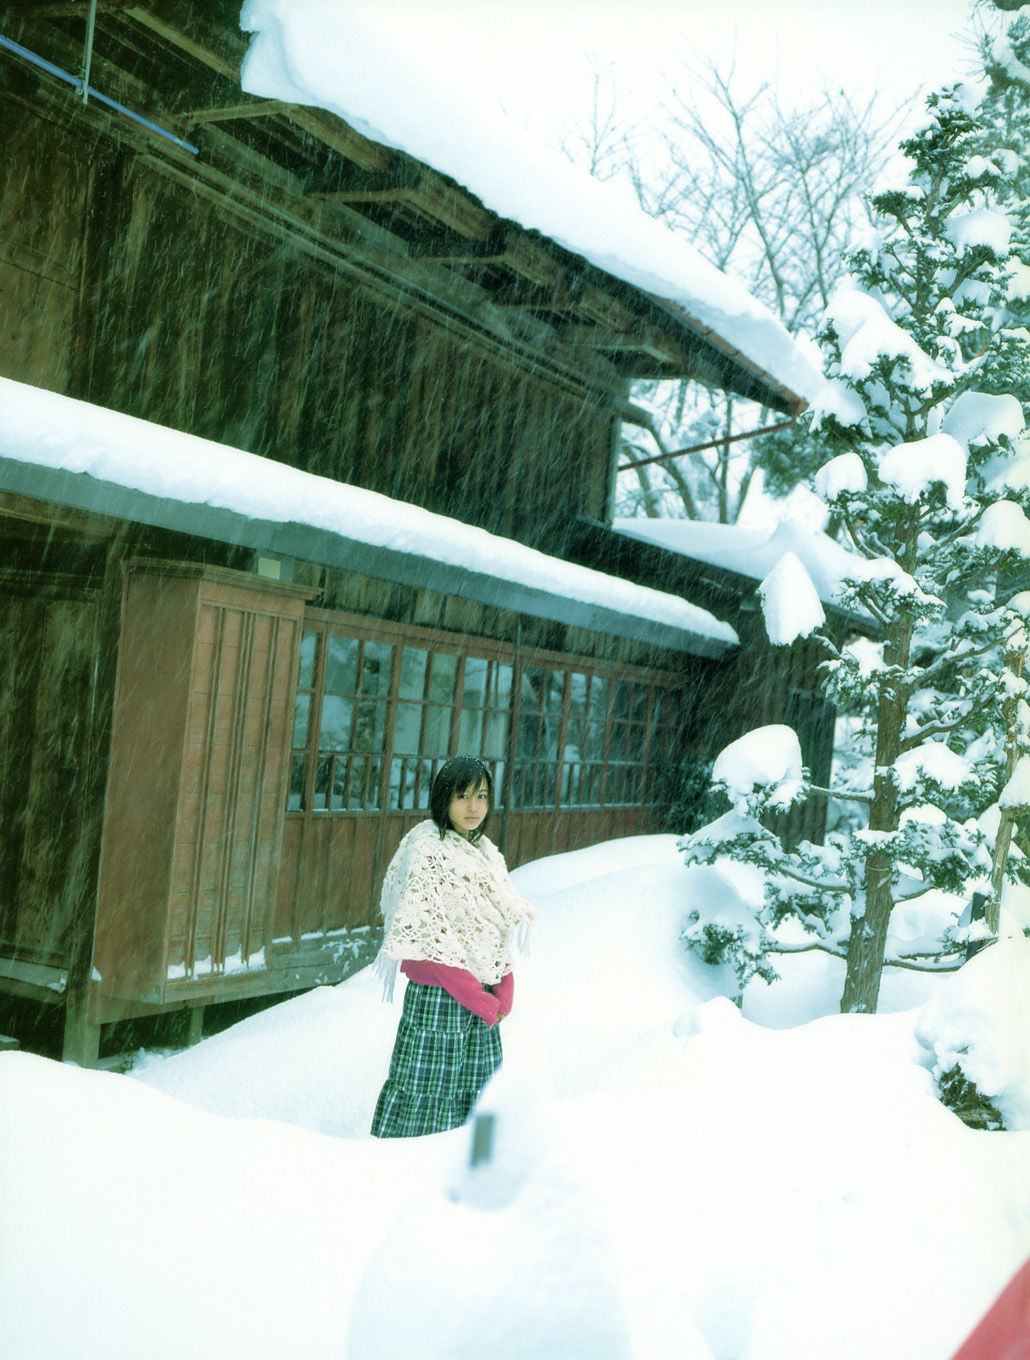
46, 655
124, 286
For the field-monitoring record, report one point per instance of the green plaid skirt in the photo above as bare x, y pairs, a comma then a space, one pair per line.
442, 1058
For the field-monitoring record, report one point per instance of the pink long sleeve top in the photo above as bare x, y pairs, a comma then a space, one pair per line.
466, 989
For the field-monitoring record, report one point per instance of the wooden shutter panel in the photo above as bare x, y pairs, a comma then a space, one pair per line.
198, 776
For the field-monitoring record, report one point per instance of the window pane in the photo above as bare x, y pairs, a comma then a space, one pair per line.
619, 738
337, 717
308, 650
598, 698
579, 684
528, 734
620, 706
375, 671
414, 664
407, 730
438, 730
363, 789
474, 691
298, 777
661, 705
323, 773
660, 744
635, 742
593, 741
341, 670
443, 677
301, 714
554, 691
403, 780
503, 681
370, 728
575, 738
533, 687
638, 703
495, 735
470, 732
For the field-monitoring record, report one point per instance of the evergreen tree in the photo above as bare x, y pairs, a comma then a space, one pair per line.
930, 477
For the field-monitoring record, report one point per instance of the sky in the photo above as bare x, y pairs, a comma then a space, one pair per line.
538, 57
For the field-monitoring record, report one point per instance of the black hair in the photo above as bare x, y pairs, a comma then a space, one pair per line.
454, 777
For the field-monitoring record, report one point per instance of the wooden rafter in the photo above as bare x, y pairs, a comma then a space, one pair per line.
504, 246
59, 9
431, 196
637, 339
54, 518
428, 219
257, 108
332, 132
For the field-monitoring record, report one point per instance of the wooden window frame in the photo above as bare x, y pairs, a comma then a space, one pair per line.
602, 777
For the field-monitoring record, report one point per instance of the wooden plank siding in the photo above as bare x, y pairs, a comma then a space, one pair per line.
197, 784
46, 654
158, 304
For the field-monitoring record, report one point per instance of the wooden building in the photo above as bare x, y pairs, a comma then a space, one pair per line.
219, 719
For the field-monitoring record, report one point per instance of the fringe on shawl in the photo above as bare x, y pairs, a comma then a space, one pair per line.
520, 938
386, 970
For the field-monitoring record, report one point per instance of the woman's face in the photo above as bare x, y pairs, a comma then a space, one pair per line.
468, 809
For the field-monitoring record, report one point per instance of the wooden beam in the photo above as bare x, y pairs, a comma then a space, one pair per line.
637, 340
593, 303
79, 523
452, 206
506, 245
429, 195
258, 108
335, 133
370, 186
436, 247
59, 9
532, 262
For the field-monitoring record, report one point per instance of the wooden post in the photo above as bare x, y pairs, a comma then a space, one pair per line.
81, 1043
482, 1139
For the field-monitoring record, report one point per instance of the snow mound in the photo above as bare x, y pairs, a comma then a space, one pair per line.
316, 1061
661, 1167
766, 758
979, 1021
790, 605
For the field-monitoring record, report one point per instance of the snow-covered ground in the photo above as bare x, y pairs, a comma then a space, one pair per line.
671, 1179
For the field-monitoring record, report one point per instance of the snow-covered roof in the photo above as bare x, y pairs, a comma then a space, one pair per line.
752, 552
347, 58
76, 454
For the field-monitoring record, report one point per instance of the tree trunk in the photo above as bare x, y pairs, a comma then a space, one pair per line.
867, 945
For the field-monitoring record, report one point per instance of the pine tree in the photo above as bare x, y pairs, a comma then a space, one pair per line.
930, 475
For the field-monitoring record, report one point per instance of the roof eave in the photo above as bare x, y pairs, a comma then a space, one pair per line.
286, 539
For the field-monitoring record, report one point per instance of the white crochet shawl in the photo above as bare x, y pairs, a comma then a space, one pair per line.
450, 901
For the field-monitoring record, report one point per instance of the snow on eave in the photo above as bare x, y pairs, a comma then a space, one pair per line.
334, 57
753, 553
69, 452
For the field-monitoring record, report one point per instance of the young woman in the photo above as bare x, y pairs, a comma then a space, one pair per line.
449, 913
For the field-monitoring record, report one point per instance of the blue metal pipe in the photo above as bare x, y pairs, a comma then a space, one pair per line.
85, 89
